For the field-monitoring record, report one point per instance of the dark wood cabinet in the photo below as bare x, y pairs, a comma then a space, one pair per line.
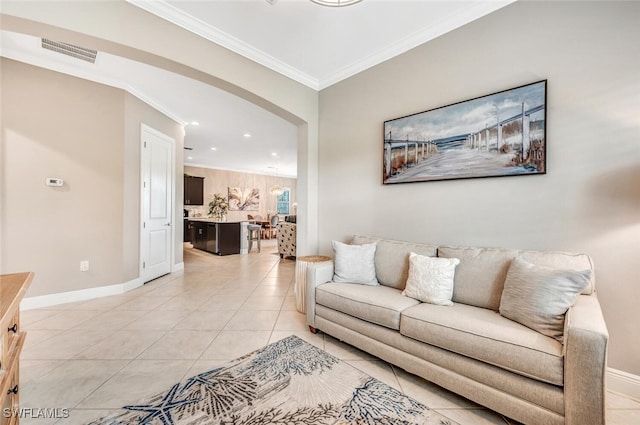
199, 240
220, 238
193, 190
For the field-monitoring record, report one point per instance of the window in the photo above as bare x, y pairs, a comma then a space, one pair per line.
282, 203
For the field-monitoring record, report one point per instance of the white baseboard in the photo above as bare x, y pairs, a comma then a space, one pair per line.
81, 295
623, 383
177, 267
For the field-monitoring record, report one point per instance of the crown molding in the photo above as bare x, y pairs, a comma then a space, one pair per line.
416, 39
172, 14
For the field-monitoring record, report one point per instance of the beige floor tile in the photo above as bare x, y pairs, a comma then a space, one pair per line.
289, 302
65, 319
67, 344
36, 336
182, 303
623, 417
205, 320
83, 416
257, 302
144, 303
29, 317
138, 380
619, 401
66, 385
271, 291
291, 320
223, 302
230, 345
32, 370
158, 320
180, 345
111, 320
123, 344
252, 321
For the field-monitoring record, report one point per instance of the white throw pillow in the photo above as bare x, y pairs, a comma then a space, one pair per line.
354, 263
538, 296
431, 279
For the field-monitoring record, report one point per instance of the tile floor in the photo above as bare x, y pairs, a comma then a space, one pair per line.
93, 356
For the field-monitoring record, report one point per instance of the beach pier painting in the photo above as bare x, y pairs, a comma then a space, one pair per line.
501, 134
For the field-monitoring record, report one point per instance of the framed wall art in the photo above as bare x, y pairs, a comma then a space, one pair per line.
244, 199
500, 134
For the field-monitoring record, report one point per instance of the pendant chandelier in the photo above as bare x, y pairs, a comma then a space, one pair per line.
336, 3
276, 189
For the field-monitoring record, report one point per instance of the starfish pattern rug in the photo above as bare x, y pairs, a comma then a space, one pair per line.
287, 382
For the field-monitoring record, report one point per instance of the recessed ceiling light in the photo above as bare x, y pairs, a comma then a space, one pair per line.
274, 154
194, 123
247, 135
214, 149
189, 157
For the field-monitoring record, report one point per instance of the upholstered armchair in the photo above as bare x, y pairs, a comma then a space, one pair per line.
286, 239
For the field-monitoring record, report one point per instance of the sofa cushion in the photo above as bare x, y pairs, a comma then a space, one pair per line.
430, 279
480, 276
563, 260
354, 263
484, 335
392, 258
376, 304
539, 296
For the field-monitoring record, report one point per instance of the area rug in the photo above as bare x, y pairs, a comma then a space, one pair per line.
287, 382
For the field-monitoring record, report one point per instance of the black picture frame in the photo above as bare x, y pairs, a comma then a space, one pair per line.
496, 135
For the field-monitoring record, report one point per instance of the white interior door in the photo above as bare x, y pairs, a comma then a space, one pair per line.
157, 204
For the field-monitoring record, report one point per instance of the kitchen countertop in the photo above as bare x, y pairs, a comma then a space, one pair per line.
211, 220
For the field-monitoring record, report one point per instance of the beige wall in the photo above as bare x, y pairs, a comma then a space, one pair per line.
588, 201
88, 134
219, 181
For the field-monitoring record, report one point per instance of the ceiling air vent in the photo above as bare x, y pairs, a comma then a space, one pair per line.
82, 53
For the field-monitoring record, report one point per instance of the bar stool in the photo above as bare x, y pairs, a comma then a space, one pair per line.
254, 235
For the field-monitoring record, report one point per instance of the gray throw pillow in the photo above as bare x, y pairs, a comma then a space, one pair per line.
354, 263
538, 296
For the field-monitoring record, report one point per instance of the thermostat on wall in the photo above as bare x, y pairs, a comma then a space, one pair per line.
53, 181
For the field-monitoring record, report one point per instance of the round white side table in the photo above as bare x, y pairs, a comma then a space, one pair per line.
300, 288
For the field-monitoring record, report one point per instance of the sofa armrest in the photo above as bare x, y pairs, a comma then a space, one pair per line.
317, 274
586, 340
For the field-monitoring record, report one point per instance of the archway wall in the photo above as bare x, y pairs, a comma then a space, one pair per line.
122, 29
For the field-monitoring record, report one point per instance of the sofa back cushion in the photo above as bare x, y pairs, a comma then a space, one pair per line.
480, 276
392, 258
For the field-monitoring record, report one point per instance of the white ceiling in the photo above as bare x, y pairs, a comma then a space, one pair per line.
315, 45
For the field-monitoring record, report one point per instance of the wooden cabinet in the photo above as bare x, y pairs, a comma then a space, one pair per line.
12, 289
199, 235
193, 190
216, 237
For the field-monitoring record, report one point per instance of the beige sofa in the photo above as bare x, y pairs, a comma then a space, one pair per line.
469, 347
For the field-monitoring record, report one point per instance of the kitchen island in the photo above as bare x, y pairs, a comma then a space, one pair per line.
218, 237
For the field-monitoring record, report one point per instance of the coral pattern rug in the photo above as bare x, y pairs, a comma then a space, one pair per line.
287, 382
